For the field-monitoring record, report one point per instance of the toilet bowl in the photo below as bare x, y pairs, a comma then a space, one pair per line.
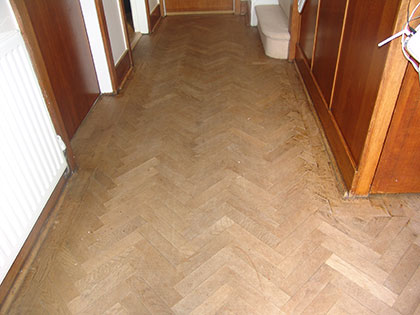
273, 26
253, 19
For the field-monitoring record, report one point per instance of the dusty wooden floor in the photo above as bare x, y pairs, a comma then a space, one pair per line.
205, 188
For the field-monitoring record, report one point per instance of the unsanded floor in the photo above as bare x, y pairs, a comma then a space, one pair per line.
205, 187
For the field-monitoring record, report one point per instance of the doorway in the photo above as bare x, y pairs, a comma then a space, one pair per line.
133, 36
199, 6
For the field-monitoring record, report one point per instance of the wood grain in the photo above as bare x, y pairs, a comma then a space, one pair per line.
360, 68
399, 167
59, 24
207, 189
330, 26
307, 28
385, 104
332, 132
31, 245
155, 17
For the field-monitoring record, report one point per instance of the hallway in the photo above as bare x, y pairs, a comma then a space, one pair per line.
205, 187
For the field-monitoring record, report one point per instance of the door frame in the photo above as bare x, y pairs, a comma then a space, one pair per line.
144, 20
118, 72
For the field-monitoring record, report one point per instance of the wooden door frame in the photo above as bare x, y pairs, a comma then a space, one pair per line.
117, 78
152, 24
31, 41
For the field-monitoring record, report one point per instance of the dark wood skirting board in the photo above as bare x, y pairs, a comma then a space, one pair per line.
122, 69
332, 132
155, 16
30, 248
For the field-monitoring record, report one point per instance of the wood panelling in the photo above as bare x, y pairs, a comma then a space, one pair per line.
332, 132
307, 28
123, 68
62, 38
360, 68
330, 26
399, 166
392, 78
154, 17
198, 5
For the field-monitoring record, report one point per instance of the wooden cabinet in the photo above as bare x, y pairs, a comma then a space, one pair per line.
354, 86
330, 26
360, 68
308, 25
399, 167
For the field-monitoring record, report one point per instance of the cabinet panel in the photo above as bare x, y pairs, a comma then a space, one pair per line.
399, 166
307, 28
360, 68
330, 25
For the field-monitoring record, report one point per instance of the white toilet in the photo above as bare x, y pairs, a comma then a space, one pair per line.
253, 20
273, 26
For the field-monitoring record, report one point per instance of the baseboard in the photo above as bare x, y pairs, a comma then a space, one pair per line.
123, 69
155, 17
14, 278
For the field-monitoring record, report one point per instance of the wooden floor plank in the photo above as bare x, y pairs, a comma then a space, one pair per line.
205, 187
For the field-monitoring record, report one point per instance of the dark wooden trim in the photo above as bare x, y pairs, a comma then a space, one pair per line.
126, 37
107, 44
31, 246
333, 134
155, 18
149, 23
31, 41
123, 68
162, 9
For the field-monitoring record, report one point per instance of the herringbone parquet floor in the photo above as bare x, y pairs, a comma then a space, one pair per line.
205, 187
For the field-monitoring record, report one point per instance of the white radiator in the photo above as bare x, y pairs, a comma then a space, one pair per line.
31, 156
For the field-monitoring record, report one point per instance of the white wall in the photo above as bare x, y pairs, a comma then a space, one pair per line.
96, 45
7, 18
31, 158
138, 9
115, 26
153, 4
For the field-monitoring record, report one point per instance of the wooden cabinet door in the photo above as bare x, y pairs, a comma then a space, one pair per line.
330, 26
307, 28
399, 167
176, 6
360, 68
62, 38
